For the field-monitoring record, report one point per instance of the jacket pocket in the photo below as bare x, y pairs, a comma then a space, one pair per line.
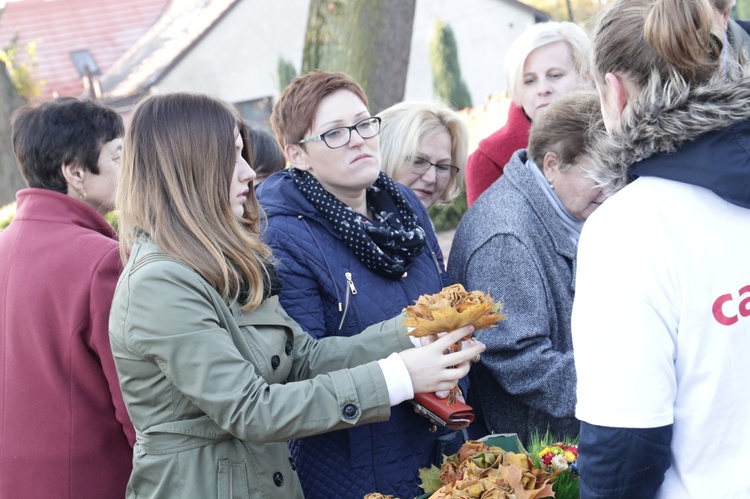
232, 480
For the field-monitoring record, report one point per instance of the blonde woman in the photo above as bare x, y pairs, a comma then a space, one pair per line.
424, 146
546, 61
215, 375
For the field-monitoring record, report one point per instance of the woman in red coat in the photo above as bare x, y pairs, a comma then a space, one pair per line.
64, 431
544, 63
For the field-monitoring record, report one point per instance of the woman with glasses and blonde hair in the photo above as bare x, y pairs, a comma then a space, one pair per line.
354, 248
215, 375
424, 146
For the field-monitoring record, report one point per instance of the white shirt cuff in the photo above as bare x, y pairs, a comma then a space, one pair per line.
397, 379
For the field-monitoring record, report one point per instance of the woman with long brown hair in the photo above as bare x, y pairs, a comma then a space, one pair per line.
215, 375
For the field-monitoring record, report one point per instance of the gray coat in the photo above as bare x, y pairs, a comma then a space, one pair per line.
206, 384
512, 244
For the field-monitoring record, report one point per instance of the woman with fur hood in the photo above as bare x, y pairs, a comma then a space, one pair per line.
662, 307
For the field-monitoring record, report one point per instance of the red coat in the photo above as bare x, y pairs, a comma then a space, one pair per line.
64, 431
486, 164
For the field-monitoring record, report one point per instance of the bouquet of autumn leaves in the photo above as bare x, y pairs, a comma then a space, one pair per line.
482, 472
452, 308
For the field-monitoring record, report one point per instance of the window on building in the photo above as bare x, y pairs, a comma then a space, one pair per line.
85, 63
257, 111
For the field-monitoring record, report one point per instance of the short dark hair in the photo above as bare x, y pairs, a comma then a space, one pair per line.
267, 156
61, 131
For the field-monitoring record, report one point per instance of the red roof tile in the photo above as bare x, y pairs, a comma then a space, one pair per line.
106, 28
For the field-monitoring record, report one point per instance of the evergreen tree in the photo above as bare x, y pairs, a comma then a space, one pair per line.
446, 73
285, 71
10, 177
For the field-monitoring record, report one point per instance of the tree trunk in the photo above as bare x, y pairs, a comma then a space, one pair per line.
10, 178
370, 40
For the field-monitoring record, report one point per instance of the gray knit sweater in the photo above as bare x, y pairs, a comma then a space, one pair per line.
512, 244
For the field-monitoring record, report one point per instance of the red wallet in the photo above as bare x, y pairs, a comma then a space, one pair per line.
456, 416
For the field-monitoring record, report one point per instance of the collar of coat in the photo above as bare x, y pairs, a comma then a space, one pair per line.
667, 118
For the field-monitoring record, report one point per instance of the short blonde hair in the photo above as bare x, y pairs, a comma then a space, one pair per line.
407, 122
537, 36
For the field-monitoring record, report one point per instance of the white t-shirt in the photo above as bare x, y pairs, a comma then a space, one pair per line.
661, 329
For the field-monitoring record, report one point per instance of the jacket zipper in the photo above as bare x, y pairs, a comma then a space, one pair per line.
351, 290
437, 264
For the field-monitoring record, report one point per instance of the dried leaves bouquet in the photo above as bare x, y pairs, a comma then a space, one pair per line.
482, 472
452, 308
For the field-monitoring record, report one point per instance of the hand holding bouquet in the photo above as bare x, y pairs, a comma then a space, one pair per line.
450, 309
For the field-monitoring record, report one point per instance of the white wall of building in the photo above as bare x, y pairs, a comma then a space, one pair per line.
483, 29
237, 59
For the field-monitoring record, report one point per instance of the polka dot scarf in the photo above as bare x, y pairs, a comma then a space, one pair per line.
385, 245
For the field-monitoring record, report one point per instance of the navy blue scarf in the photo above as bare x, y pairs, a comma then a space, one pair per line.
387, 244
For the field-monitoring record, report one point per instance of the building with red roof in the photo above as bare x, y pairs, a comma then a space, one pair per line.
73, 33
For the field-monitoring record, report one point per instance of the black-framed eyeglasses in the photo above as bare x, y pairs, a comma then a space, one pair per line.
341, 135
421, 166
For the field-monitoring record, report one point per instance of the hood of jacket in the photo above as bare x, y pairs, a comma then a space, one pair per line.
693, 134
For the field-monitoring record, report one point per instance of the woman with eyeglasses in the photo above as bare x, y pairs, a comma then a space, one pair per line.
353, 248
518, 241
424, 146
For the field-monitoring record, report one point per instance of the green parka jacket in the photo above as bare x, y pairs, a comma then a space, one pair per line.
215, 393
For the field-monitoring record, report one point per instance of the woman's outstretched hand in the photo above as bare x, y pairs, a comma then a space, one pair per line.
432, 369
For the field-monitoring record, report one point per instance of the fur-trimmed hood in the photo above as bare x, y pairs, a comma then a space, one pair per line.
693, 134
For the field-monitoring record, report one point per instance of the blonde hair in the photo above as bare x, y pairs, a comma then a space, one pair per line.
655, 42
407, 122
178, 162
538, 35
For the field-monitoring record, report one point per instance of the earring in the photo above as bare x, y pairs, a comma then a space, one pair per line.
82, 194
551, 186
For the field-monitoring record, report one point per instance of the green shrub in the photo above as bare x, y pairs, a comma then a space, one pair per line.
7, 213
446, 217
285, 72
446, 72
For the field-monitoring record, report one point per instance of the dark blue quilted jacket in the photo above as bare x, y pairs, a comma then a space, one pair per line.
329, 292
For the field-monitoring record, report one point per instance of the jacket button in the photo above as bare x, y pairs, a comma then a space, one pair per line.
291, 463
288, 347
350, 411
275, 361
278, 479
